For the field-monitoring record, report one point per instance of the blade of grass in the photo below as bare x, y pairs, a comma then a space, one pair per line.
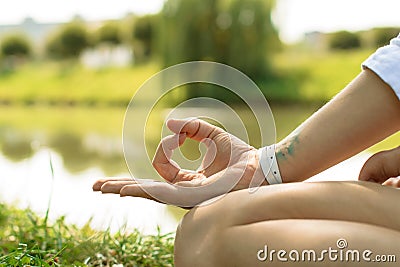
46, 218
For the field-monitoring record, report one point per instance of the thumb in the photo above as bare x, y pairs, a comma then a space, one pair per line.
187, 195
381, 166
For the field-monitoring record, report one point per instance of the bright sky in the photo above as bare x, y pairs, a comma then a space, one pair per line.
293, 17
15, 11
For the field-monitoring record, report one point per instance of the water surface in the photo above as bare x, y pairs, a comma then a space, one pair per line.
85, 144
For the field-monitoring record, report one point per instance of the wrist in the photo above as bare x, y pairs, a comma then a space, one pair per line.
258, 172
291, 169
268, 166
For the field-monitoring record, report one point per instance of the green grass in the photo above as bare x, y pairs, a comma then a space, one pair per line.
300, 77
318, 76
71, 84
77, 120
27, 239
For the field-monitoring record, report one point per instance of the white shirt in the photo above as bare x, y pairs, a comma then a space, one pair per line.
385, 62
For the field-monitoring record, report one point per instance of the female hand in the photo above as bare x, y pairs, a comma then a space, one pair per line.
229, 164
383, 168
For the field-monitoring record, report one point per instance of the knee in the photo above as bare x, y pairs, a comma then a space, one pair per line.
196, 240
183, 243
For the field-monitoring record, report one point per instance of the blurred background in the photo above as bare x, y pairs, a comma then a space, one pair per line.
68, 69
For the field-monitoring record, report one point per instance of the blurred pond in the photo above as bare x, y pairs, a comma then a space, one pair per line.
84, 144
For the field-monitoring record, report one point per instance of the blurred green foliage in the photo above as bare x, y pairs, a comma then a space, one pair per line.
344, 40
382, 36
69, 41
15, 45
237, 33
300, 77
57, 83
144, 36
109, 33
15, 49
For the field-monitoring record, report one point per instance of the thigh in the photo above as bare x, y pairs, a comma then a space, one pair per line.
362, 202
283, 213
304, 242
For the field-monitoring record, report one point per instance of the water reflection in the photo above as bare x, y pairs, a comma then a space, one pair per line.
85, 144
78, 153
28, 183
14, 145
91, 137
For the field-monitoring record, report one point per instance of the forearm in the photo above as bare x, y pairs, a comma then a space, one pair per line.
364, 113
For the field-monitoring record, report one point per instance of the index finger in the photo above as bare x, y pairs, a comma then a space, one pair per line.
162, 161
194, 128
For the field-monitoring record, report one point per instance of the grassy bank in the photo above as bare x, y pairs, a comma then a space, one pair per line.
27, 239
300, 77
315, 76
58, 83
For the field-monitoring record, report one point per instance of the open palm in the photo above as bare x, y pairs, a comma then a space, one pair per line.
229, 164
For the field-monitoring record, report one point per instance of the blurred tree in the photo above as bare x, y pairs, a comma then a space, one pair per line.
382, 36
143, 37
69, 41
109, 33
15, 45
343, 40
14, 49
253, 37
237, 32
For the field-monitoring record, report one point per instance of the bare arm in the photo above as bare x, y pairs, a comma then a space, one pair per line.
364, 113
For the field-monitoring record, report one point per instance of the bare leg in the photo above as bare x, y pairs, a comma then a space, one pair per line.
231, 231
311, 241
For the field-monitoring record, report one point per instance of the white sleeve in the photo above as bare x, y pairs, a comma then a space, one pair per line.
385, 62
